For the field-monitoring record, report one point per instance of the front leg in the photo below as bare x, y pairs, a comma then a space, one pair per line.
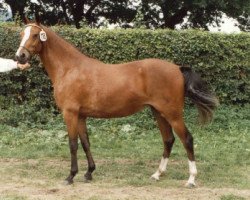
82, 130
71, 120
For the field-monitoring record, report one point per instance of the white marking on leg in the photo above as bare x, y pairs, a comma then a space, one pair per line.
25, 39
162, 168
192, 172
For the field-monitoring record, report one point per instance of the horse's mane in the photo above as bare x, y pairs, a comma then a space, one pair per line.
61, 42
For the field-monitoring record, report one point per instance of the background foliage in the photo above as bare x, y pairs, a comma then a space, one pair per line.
135, 13
222, 60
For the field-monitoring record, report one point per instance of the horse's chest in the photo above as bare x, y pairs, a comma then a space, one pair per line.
64, 97
75, 96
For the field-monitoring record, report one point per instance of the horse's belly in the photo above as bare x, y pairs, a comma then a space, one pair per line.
111, 111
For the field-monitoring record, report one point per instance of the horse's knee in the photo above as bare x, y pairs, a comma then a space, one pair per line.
73, 145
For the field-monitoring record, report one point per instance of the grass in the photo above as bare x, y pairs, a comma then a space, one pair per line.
231, 197
127, 151
12, 197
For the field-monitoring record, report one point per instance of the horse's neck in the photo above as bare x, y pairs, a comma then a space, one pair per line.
58, 56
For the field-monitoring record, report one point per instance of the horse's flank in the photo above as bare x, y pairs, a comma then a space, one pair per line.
99, 86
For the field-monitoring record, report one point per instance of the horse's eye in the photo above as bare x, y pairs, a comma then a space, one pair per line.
35, 36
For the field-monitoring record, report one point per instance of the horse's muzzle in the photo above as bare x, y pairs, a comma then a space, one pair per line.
22, 55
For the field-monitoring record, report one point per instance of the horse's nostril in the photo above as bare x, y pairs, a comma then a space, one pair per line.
22, 55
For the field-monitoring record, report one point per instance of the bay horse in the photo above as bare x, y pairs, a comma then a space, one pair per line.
86, 87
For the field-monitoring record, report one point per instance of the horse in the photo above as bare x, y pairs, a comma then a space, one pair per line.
86, 87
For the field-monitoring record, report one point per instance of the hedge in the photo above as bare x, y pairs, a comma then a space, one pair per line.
223, 60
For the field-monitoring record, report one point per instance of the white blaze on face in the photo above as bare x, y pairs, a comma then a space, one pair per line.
25, 39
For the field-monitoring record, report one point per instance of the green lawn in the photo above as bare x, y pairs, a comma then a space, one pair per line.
129, 157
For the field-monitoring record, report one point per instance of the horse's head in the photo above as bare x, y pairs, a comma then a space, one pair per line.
32, 38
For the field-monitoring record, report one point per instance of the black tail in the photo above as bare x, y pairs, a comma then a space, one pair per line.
196, 89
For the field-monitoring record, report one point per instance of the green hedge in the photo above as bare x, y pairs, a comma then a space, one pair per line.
223, 60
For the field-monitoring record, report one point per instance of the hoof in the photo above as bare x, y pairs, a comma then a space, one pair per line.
68, 182
87, 177
190, 185
86, 180
155, 177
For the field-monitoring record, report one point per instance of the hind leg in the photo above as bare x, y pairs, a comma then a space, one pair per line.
187, 141
174, 115
168, 141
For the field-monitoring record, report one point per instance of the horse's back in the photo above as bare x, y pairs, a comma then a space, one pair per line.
156, 74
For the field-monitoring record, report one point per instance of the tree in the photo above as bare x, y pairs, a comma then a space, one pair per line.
92, 10
152, 13
17, 6
199, 14
121, 12
75, 11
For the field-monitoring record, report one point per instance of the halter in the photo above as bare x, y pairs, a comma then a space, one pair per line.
25, 49
42, 34
34, 26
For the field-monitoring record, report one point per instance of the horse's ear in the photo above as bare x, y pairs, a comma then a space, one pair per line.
26, 20
37, 18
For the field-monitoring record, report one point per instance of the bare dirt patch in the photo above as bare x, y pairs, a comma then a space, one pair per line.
13, 184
